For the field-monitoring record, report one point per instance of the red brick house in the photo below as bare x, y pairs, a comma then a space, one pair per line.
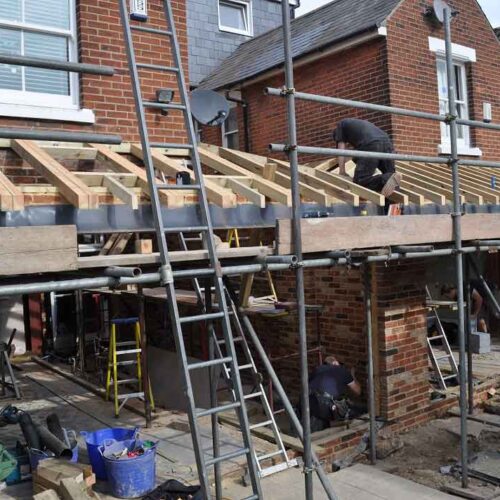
382, 51
87, 31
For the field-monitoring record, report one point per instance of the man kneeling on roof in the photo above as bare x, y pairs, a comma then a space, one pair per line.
327, 387
364, 136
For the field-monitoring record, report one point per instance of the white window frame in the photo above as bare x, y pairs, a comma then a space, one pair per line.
462, 55
247, 5
23, 104
226, 133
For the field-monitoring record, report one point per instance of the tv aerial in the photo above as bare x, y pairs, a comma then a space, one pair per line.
209, 107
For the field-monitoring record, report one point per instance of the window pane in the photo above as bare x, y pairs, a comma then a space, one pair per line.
53, 13
11, 77
49, 47
10, 10
233, 141
458, 83
233, 16
442, 81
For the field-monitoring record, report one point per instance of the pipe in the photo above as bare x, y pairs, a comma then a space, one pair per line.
468, 308
122, 272
297, 245
404, 249
73, 67
371, 381
325, 481
491, 295
479, 163
291, 260
52, 443
377, 107
282, 148
457, 234
56, 135
29, 431
493, 243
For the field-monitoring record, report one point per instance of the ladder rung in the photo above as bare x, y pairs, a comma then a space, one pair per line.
443, 357
236, 339
128, 351
201, 317
218, 409
158, 67
125, 381
227, 456
163, 105
126, 343
125, 363
252, 497
212, 362
436, 337
253, 395
261, 424
178, 186
155, 31
189, 229
131, 395
170, 145
448, 377
269, 455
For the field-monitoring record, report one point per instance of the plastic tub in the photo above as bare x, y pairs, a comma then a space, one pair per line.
36, 456
130, 477
94, 440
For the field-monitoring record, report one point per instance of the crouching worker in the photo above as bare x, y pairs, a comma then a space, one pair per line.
327, 386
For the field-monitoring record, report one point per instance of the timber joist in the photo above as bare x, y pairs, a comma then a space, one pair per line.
115, 175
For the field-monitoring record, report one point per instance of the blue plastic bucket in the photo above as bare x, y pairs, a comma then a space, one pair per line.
94, 440
36, 456
131, 477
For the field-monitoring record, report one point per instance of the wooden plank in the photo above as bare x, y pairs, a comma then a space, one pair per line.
339, 233
413, 196
11, 197
216, 194
427, 193
326, 165
37, 249
121, 164
362, 192
476, 195
70, 152
270, 189
72, 188
95, 179
251, 194
244, 160
308, 192
175, 256
399, 197
121, 192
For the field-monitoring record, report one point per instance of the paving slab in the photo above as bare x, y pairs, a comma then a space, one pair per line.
360, 482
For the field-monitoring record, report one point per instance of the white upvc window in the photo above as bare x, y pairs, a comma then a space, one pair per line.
235, 16
230, 132
39, 29
461, 57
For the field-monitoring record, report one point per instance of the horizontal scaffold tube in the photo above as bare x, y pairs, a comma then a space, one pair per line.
56, 135
152, 278
379, 107
73, 67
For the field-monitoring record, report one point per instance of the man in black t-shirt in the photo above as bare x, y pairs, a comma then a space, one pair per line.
364, 136
327, 385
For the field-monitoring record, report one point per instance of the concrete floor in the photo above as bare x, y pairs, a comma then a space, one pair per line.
360, 482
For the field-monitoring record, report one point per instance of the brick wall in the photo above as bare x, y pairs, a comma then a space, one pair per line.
101, 42
413, 81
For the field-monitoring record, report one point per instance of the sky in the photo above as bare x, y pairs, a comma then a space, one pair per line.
490, 7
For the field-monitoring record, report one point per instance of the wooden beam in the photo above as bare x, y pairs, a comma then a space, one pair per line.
95, 179
427, 193
341, 233
270, 189
120, 191
245, 190
72, 188
413, 197
326, 165
11, 197
70, 152
308, 192
37, 249
362, 192
122, 164
216, 194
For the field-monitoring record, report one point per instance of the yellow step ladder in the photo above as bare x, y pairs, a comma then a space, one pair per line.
118, 349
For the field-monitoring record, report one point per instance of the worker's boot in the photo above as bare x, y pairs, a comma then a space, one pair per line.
391, 185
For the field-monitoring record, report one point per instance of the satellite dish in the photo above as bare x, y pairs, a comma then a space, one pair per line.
209, 107
439, 6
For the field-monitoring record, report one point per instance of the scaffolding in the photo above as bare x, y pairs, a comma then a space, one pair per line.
298, 262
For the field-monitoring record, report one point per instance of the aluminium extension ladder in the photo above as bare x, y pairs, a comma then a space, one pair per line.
212, 273
437, 356
115, 360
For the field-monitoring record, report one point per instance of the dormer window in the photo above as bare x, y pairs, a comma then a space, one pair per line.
235, 16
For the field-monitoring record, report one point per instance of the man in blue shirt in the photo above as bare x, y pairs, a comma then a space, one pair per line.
327, 385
